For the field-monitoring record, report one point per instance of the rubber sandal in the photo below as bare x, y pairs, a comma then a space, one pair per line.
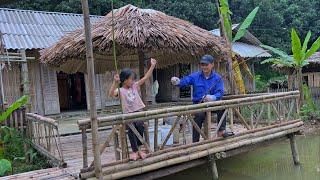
227, 134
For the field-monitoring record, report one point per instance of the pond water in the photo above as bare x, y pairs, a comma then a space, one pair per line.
273, 162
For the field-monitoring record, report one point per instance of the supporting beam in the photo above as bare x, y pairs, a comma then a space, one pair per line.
24, 72
294, 149
141, 74
213, 167
92, 93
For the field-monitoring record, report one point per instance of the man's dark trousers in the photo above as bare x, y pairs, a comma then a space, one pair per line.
199, 119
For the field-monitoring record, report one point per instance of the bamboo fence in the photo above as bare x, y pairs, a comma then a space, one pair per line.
266, 116
45, 138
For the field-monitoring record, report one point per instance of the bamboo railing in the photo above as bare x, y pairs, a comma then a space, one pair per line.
44, 135
265, 116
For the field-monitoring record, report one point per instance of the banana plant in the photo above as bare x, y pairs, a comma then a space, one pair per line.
225, 15
16, 105
298, 59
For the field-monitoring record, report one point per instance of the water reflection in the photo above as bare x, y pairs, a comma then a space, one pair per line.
267, 163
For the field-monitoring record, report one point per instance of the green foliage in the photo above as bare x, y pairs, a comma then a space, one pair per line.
314, 48
5, 166
16, 105
308, 111
245, 25
308, 97
299, 57
12, 144
226, 16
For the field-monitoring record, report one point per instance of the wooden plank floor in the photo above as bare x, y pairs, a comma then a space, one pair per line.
51, 173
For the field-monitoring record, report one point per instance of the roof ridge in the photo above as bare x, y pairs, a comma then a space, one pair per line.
46, 12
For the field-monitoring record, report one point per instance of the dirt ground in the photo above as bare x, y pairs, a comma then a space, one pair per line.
311, 127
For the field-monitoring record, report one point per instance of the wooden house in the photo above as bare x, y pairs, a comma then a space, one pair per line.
311, 73
23, 34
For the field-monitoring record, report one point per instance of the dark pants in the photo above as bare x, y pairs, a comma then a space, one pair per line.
134, 140
200, 117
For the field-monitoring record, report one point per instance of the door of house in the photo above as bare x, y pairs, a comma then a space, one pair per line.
72, 92
50, 90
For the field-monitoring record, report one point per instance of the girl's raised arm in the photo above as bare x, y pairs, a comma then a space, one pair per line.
149, 73
113, 91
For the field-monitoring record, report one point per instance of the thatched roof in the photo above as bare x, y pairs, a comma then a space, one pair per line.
169, 39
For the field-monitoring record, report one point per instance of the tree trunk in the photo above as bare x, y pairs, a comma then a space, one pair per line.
91, 84
229, 47
300, 85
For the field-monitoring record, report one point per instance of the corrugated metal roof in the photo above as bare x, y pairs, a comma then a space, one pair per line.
245, 49
26, 29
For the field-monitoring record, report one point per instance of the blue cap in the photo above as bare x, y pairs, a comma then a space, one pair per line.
206, 59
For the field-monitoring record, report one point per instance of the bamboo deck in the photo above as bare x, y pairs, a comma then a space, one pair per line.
72, 150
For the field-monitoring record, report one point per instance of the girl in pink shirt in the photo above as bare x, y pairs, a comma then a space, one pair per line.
131, 102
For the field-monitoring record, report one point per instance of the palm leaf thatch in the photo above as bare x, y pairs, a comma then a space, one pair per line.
137, 31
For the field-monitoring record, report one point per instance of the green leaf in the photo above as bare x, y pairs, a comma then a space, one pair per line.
16, 105
245, 25
282, 54
305, 43
225, 14
5, 166
296, 45
314, 48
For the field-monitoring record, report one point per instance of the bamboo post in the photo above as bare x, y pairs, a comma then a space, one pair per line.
141, 74
207, 125
251, 117
155, 135
91, 85
84, 147
231, 118
116, 144
213, 167
294, 149
123, 139
24, 72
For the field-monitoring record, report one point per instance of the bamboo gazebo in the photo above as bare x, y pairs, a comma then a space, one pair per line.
136, 35
139, 33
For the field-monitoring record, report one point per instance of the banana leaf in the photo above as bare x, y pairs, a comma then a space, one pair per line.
314, 48
296, 46
305, 44
282, 54
225, 14
16, 105
245, 25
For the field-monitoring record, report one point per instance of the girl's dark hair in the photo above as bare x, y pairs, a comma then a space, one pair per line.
126, 74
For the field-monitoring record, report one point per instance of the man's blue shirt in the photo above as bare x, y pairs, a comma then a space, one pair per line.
201, 85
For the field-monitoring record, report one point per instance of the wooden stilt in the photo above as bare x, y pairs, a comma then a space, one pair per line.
294, 149
213, 167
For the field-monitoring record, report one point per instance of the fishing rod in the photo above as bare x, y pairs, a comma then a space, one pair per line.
225, 74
